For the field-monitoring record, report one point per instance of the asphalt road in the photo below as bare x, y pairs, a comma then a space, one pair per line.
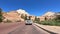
28, 29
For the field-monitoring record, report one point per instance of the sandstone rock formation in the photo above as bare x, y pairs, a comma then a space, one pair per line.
14, 15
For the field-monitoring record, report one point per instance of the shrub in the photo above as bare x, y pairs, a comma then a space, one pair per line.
7, 21
51, 22
18, 21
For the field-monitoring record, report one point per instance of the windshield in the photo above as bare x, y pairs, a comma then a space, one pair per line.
29, 16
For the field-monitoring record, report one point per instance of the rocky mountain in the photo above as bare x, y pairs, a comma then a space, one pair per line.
20, 11
14, 15
49, 13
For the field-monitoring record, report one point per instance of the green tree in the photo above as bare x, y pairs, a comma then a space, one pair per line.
37, 20
29, 17
24, 16
1, 15
45, 18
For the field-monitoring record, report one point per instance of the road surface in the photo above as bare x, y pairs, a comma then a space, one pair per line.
26, 29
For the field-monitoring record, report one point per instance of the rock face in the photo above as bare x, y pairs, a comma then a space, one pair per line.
47, 16
20, 11
42, 18
14, 15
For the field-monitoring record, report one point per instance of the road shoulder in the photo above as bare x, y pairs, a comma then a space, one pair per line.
49, 29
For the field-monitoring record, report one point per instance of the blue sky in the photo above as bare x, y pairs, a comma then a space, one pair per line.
34, 7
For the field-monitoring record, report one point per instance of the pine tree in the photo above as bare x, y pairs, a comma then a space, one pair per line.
24, 17
37, 19
0, 15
